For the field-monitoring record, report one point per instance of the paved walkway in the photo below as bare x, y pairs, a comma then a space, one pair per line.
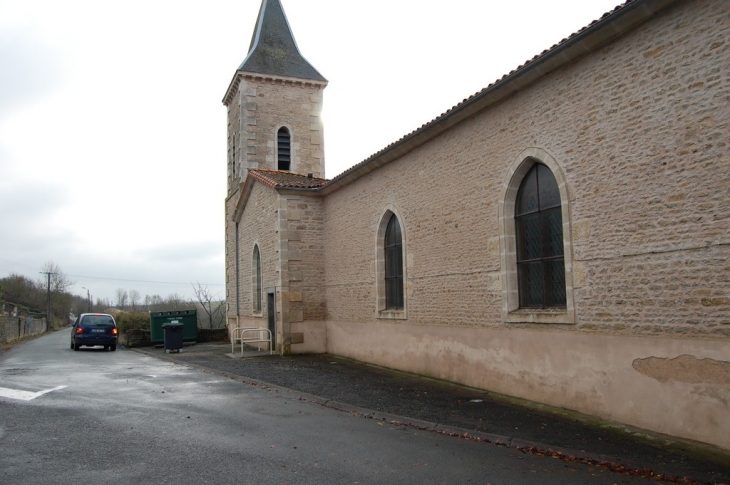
374, 392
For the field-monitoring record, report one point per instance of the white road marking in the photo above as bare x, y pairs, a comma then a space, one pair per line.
25, 395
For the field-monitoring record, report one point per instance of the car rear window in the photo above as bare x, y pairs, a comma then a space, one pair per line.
102, 320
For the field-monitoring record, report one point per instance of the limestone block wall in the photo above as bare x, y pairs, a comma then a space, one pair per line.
262, 106
258, 226
231, 251
639, 133
301, 223
444, 231
288, 229
237, 140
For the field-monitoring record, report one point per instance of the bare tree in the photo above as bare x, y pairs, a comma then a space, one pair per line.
57, 285
153, 302
103, 304
122, 297
134, 299
207, 300
22, 290
60, 283
175, 302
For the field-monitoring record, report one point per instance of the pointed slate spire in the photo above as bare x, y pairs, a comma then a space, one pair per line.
273, 48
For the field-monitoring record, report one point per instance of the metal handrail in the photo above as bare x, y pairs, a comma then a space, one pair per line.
243, 339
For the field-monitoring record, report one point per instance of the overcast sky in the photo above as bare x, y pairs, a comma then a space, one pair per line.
113, 134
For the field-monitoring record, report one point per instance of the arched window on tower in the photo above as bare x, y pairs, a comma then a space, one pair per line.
539, 237
283, 149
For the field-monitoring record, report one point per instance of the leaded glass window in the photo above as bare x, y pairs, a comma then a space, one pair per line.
393, 248
539, 231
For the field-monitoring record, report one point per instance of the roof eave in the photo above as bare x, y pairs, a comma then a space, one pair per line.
246, 188
315, 191
590, 39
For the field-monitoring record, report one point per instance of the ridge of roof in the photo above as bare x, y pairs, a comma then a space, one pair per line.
277, 179
399, 147
273, 50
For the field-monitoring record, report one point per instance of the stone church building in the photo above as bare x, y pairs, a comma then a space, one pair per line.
561, 236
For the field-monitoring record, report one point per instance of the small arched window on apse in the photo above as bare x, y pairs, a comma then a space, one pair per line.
257, 280
539, 238
283, 149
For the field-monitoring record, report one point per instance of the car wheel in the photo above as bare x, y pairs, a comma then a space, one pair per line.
112, 348
76, 346
72, 344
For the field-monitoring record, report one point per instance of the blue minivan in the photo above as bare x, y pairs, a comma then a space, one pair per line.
93, 329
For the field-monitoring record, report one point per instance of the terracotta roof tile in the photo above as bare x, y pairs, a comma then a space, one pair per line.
279, 179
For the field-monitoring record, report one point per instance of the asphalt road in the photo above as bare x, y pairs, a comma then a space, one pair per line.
95, 416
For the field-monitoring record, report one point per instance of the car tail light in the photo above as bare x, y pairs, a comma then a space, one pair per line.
115, 331
79, 330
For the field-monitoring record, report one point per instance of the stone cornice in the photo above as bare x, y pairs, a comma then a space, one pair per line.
257, 76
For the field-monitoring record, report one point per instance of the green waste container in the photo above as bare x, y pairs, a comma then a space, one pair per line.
188, 318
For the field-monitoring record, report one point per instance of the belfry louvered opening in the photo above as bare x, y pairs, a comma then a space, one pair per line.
283, 149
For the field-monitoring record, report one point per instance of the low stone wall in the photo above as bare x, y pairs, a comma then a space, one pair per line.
214, 335
135, 338
141, 338
13, 328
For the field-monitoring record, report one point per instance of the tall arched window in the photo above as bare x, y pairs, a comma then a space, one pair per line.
393, 249
283, 149
539, 238
257, 279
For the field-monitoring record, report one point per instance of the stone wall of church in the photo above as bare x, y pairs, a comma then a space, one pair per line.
639, 132
304, 309
261, 107
236, 144
230, 255
258, 226
288, 229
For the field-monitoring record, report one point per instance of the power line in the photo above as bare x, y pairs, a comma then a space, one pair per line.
142, 281
116, 279
17, 264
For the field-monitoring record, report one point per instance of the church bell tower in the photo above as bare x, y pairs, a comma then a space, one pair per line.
274, 104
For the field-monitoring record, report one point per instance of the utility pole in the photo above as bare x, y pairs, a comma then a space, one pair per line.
88, 296
48, 314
